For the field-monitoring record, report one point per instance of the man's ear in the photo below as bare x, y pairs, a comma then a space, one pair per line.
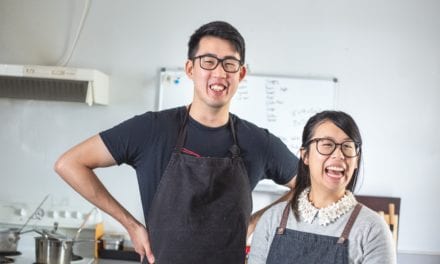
304, 156
189, 68
243, 72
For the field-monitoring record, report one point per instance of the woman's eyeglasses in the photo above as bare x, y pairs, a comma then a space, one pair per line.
326, 146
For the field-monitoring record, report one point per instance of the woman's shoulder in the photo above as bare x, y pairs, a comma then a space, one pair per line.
370, 215
279, 207
275, 212
369, 222
372, 240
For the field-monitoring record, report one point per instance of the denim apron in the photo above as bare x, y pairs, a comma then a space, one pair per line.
296, 247
201, 209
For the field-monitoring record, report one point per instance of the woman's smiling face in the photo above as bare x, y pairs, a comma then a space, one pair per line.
329, 173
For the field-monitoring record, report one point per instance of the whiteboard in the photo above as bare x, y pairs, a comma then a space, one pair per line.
281, 104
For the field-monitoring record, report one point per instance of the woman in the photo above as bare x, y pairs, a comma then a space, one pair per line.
323, 223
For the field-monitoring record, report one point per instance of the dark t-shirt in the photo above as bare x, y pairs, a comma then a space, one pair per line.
146, 142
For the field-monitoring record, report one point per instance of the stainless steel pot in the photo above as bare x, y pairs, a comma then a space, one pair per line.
9, 239
54, 248
50, 250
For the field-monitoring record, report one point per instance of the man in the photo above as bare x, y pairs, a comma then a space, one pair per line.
196, 165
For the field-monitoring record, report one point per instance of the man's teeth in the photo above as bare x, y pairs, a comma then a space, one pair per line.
217, 88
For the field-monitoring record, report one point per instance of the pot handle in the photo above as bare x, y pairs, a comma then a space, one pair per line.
84, 223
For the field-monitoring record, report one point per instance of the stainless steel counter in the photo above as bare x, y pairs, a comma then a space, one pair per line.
112, 261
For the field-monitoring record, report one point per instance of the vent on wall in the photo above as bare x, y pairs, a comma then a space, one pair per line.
53, 83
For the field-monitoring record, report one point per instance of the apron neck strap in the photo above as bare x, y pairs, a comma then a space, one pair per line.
282, 228
182, 132
234, 149
350, 223
231, 123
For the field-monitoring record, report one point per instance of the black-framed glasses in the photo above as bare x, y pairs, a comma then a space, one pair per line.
326, 146
210, 62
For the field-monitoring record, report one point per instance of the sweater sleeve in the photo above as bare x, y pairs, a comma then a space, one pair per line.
378, 245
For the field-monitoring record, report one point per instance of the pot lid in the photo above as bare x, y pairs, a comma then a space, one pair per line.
51, 234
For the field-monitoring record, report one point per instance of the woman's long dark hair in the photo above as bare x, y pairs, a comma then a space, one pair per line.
347, 124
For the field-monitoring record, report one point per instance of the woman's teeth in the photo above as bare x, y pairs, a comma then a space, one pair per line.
333, 171
333, 168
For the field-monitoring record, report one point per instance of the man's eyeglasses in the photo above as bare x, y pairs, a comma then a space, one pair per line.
210, 62
326, 146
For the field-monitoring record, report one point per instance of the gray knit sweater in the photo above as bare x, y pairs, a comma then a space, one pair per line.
370, 239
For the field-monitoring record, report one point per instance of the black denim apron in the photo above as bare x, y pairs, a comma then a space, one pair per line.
201, 209
295, 247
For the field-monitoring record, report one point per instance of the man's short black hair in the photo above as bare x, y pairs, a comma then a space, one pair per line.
218, 29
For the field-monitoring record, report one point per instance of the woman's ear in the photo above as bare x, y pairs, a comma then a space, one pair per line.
304, 155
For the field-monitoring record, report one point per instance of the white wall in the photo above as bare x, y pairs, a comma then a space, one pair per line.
385, 54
